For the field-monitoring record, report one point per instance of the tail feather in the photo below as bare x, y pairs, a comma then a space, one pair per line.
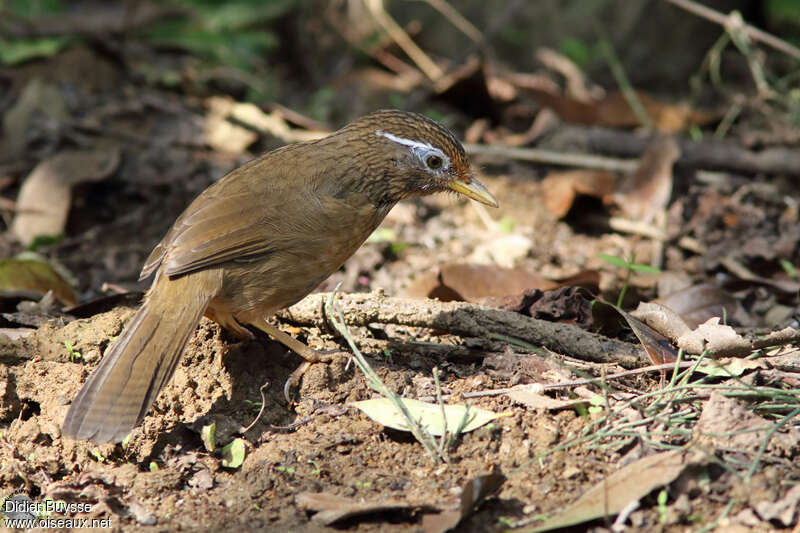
139, 364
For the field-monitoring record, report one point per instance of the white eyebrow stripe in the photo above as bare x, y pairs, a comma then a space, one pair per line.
420, 149
406, 142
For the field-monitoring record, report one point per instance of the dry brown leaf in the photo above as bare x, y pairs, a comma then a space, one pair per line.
718, 339
468, 282
527, 396
698, 303
613, 110
644, 193
45, 196
473, 493
630, 483
561, 188
657, 345
784, 510
726, 423
331, 508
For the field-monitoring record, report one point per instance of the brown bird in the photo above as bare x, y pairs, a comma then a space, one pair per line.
259, 240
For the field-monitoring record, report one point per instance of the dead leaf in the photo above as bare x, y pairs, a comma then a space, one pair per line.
429, 415
658, 347
662, 319
561, 188
45, 196
233, 126
613, 110
331, 508
726, 423
571, 304
527, 396
784, 510
718, 339
698, 303
34, 275
730, 367
473, 493
471, 283
644, 193
630, 483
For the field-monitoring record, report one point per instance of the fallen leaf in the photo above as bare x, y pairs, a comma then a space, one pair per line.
658, 346
331, 508
473, 493
479, 283
784, 510
429, 415
726, 423
630, 483
527, 396
470, 282
45, 196
233, 454
561, 188
571, 304
644, 193
613, 110
719, 339
698, 303
34, 275
732, 367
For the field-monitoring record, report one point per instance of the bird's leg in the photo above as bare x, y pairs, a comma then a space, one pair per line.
310, 355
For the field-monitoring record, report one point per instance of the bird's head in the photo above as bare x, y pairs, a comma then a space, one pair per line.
410, 155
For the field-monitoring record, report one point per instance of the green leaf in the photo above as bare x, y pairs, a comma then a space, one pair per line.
644, 268
789, 268
614, 260
506, 224
429, 415
233, 454
207, 434
13, 52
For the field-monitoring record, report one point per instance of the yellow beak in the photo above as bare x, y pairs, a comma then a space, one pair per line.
474, 189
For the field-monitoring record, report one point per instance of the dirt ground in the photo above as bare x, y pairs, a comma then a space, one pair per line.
735, 434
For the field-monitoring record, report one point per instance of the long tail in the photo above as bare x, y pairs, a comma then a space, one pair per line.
141, 361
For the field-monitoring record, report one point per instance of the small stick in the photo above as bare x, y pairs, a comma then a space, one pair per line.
551, 157
399, 35
752, 32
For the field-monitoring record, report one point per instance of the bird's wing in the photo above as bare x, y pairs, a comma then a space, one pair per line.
229, 221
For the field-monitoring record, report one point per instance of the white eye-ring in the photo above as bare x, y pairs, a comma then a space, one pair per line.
430, 156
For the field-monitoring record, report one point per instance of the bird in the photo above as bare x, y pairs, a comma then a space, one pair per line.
259, 240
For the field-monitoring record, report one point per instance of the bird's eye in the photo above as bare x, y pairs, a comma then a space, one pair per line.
434, 162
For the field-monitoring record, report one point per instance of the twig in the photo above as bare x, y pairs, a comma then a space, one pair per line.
456, 19
752, 32
468, 320
724, 156
541, 387
398, 34
551, 157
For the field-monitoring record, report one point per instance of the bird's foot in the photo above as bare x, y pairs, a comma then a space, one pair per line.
318, 357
